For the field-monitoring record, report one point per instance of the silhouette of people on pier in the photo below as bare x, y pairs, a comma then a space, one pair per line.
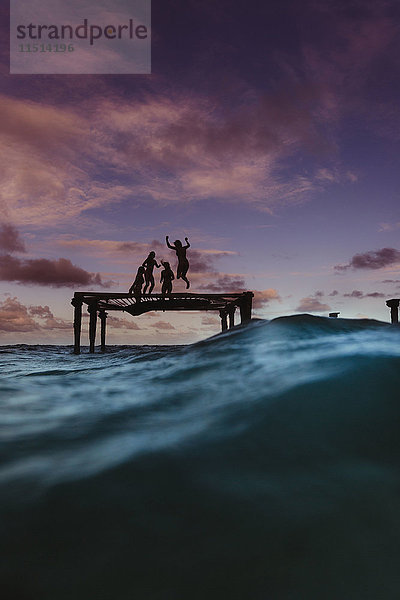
167, 277
136, 287
183, 263
149, 265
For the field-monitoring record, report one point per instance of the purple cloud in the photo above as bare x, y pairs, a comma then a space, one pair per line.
42, 271
360, 295
374, 259
10, 240
226, 283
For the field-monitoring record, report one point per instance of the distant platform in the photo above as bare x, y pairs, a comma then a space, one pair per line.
99, 303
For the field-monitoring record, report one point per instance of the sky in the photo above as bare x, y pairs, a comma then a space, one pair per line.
268, 133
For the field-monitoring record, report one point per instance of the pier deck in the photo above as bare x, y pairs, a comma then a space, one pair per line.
100, 303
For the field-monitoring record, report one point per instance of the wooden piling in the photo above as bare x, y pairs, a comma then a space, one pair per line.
77, 304
246, 307
224, 322
103, 323
231, 315
393, 304
92, 310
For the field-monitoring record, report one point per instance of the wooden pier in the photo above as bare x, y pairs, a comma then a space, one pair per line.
100, 303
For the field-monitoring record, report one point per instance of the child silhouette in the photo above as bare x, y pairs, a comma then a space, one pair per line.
136, 287
167, 277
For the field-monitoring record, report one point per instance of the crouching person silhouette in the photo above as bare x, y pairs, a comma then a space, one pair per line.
167, 277
136, 287
183, 263
149, 264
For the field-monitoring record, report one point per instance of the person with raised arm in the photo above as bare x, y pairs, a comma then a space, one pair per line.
183, 263
149, 265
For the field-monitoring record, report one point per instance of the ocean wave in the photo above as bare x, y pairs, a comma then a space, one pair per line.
261, 463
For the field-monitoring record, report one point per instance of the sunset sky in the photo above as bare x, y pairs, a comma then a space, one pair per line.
268, 133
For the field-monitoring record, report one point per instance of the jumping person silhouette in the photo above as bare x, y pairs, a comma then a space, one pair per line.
149, 264
136, 287
183, 263
167, 277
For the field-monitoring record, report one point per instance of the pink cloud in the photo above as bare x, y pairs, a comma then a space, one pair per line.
14, 317
234, 152
50, 155
210, 321
312, 304
263, 297
46, 318
117, 323
162, 325
389, 226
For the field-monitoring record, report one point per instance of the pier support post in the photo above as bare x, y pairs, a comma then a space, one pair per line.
103, 323
245, 307
231, 314
92, 310
224, 322
393, 304
77, 304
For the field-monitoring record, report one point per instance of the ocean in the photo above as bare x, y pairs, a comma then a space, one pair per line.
260, 464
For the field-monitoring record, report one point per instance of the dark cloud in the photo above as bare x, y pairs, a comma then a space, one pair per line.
138, 247
374, 259
354, 294
201, 262
10, 240
231, 284
226, 283
334, 293
42, 271
360, 295
391, 281
43, 312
